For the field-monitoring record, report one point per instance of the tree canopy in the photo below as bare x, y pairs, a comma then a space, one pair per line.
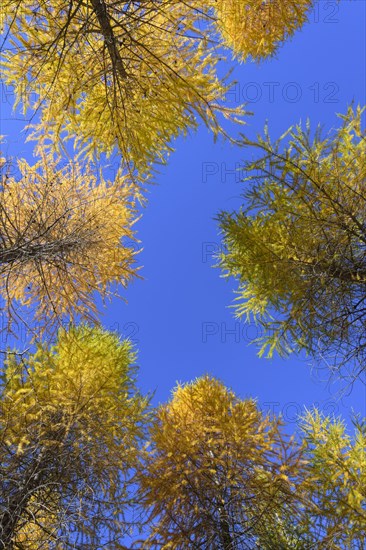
221, 475
218, 470
70, 422
84, 462
64, 234
134, 75
215, 473
298, 245
333, 514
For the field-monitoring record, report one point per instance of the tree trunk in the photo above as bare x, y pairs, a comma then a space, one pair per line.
26, 252
225, 535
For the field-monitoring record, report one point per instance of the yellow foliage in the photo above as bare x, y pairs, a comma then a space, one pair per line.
70, 425
297, 246
334, 482
81, 379
62, 234
214, 460
256, 28
39, 532
131, 75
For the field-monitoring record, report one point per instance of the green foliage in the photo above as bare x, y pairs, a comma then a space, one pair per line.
298, 246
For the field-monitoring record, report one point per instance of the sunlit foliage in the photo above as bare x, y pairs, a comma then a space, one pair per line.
220, 475
256, 28
61, 239
132, 76
217, 471
330, 508
298, 246
334, 480
70, 423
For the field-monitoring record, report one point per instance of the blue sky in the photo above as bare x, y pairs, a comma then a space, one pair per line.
179, 315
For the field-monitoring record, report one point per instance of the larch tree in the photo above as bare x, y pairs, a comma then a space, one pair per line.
330, 508
71, 421
218, 474
334, 480
217, 471
132, 76
298, 245
65, 233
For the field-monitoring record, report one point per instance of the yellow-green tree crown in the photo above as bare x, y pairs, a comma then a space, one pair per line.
71, 420
298, 246
330, 507
334, 481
